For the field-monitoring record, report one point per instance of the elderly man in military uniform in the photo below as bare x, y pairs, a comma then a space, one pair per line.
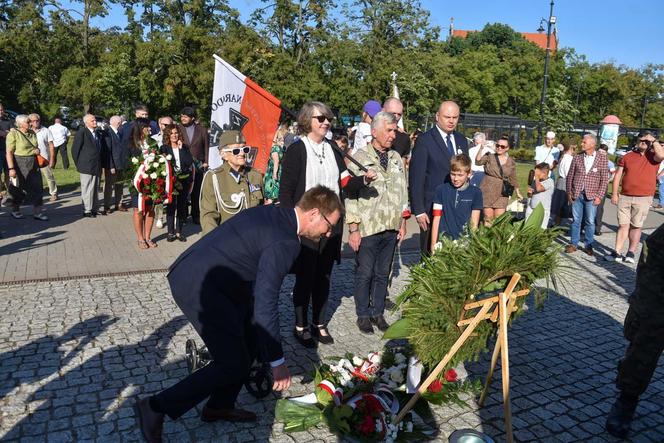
644, 328
232, 187
376, 221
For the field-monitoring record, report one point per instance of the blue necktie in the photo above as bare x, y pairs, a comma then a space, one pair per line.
450, 146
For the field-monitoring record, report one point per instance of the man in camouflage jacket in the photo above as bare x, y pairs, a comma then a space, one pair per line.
644, 328
376, 220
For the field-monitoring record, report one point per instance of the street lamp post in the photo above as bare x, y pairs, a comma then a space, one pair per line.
550, 22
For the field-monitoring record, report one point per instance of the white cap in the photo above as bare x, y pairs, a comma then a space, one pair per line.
551, 135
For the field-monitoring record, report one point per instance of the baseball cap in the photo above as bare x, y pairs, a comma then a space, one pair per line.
188, 111
372, 107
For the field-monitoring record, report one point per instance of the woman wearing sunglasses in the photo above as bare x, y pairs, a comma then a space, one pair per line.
309, 162
498, 167
232, 187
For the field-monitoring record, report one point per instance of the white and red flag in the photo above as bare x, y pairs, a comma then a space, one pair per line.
241, 104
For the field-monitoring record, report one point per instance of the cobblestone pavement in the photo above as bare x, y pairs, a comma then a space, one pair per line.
74, 354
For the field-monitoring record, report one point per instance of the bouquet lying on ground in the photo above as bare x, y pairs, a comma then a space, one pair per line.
152, 177
361, 397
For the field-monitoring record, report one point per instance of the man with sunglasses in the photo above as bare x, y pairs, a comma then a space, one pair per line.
232, 187
636, 178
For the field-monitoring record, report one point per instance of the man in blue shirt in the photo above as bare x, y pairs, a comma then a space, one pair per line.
455, 202
227, 285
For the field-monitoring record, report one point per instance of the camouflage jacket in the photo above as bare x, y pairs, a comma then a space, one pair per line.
382, 204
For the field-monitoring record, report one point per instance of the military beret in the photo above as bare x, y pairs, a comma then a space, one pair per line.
231, 137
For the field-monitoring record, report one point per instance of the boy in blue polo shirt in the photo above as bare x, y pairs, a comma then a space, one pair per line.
455, 202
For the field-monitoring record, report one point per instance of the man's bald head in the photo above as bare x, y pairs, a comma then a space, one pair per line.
448, 116
394, 106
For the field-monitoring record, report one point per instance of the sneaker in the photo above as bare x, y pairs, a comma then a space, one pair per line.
614, 256
17, 214
629, 257
41, 216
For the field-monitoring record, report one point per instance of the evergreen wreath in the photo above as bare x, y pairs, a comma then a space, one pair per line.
475, 266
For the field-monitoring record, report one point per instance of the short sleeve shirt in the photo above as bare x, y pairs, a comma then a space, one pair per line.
21, 144
543, 197
543, 154
43, 137
455, 206
639, 174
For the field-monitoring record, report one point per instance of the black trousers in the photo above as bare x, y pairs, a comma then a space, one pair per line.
312, 279
177, 208
425, 239
224, 322
62, 149
195, 195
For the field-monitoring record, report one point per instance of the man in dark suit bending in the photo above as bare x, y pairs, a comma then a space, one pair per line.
227, 285
430, 165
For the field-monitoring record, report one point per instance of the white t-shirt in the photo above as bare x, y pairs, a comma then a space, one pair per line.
546, 154
43, 137
362, 137
472, 153
563, 166
176, 155
60, 134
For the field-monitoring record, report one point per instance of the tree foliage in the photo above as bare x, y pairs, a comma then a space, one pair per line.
339, 52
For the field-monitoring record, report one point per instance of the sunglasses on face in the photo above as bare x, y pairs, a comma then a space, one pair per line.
501, 146
322, 118
238, 151
644, 141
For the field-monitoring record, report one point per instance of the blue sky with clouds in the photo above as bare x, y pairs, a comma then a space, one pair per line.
626, 32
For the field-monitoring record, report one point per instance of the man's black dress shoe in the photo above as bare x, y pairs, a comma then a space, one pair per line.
365, 325
380, 323
620, 418
102, 212
170, 238
149, 422
232, 415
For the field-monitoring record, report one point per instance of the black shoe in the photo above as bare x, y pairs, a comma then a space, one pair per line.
365, 326
93, 214
324, 339
380, 323
589, 250
170, 238
304, 337
389, 305
182, 238
87, 215
620, 418
102, 212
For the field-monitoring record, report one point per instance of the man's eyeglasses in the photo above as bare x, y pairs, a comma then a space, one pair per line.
237, 151
647, 142
322, 118
329, 225
501, 146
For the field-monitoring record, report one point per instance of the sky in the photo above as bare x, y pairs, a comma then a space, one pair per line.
622, 32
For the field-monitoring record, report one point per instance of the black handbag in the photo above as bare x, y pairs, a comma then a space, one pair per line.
507, 189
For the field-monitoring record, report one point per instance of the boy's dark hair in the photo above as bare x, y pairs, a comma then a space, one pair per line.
460, 162
544, 166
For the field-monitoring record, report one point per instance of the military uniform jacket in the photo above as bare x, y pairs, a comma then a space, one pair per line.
223, 194
382, 204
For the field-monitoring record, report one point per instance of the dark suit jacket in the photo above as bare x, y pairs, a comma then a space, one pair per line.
113, 147
250, 254
186, 161
86, 152
199, 143
429, 167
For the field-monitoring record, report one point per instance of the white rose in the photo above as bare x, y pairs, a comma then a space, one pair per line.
144, 175
163, 173
162, 160
153, 175
357, 361
169, 157
155, 165
396, 376
150, 157
399, 358
134, 160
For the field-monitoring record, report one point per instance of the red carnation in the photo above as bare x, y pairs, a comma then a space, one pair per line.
160, 182
372, 403
435, 386
147, 181
367, 426
451, 375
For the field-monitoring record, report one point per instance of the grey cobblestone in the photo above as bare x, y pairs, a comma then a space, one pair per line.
102, 341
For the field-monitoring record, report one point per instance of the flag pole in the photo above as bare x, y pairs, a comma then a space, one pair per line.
334, 145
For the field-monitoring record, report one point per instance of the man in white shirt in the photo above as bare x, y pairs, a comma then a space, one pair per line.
479, 138
548, 152
363, 132
60, 135
47, 150
163, 121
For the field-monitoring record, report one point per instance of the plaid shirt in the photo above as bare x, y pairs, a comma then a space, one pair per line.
593, 183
